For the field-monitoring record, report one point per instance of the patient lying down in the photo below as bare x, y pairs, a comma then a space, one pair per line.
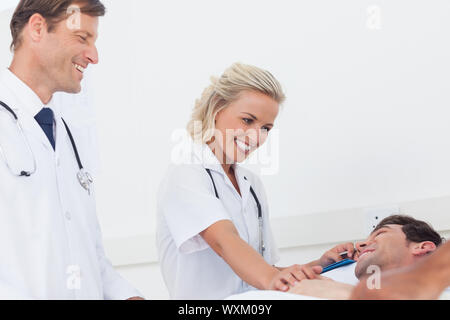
397, 242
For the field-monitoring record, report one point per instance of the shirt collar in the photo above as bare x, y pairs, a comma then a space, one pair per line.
27, 98
204, 155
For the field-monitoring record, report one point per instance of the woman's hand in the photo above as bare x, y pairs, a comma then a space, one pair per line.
290, 276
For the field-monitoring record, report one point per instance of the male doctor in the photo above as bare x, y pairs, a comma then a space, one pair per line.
50, 241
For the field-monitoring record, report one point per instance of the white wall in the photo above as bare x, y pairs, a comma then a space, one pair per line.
5, 37
365, 122
7, 4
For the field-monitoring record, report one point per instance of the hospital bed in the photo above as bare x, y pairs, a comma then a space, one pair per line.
345, 274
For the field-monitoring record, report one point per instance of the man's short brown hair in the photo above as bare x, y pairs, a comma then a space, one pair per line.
53, 11
415, 230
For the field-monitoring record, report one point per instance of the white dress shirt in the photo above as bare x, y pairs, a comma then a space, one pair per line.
50, 240
187, 205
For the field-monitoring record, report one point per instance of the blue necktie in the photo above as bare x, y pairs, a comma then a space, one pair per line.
45, 120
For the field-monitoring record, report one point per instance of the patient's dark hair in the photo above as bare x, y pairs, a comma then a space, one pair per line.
415, 230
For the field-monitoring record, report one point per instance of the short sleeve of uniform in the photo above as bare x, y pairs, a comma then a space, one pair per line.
189, 206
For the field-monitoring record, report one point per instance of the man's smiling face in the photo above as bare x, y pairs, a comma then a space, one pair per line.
67, 52
386, 247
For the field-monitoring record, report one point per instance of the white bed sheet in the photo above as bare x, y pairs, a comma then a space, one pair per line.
345, 274
269, 295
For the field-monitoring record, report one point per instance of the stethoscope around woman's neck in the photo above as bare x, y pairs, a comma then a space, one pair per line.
262, 248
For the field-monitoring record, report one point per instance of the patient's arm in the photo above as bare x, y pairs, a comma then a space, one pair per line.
323, 288
425, 280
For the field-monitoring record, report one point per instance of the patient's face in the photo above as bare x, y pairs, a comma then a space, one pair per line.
386, 248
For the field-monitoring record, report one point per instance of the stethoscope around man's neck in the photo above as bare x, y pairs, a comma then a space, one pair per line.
84, 178
262, 247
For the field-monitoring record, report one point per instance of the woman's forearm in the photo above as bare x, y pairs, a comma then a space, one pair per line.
248, 264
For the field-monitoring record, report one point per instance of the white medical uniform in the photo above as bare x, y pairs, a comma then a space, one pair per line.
50, 241
187, 205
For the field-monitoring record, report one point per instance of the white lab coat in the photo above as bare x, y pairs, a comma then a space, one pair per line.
50, 240
187, 205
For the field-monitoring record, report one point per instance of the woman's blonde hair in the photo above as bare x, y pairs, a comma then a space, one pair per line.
226, 89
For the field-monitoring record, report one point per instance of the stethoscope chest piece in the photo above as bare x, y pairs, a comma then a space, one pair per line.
85, 180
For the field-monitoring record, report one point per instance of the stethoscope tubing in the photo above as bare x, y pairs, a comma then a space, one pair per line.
258, 204
19, 126
29, 173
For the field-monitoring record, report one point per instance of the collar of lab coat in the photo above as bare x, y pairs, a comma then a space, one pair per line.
27, 98
28, 103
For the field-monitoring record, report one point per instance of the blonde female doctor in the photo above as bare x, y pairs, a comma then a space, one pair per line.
214, 237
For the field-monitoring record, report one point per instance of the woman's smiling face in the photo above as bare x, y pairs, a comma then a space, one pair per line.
244, 125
